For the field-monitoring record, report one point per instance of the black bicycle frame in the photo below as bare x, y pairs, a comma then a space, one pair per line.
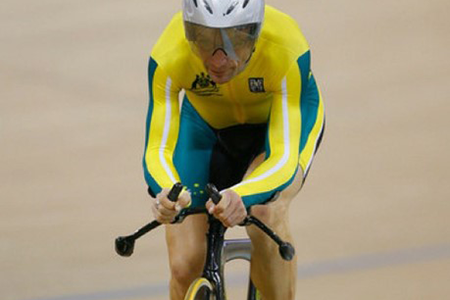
213, 266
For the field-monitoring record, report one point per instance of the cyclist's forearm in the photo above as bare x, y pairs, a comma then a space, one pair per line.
161, 130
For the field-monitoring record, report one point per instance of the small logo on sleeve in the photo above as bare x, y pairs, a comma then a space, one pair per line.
256, 85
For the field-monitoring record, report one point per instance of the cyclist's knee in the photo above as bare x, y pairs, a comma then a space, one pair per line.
187, 247
296, 185
276, 212
273, 214
184, 269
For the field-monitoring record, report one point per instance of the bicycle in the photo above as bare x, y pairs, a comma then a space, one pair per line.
211, 285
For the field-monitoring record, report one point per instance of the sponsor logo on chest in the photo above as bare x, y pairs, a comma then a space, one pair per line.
256, 85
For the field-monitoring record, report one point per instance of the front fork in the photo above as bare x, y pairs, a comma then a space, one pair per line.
213, 271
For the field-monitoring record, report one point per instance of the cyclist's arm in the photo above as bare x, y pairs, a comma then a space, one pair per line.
282, 155
161, 130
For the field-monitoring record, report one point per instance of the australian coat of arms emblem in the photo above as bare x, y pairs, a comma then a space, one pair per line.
203, 85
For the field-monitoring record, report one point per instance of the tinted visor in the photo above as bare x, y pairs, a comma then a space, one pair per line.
237, 42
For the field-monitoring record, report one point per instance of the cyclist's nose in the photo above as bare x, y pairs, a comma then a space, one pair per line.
219, 58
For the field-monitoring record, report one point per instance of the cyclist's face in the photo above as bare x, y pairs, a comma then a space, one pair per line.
224, 52
220, 67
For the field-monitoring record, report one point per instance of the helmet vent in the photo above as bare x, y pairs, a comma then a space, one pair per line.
195, 3
231, 8
245, 3
208, 8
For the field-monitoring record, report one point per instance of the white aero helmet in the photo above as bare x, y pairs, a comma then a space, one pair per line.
230, 25
223, 13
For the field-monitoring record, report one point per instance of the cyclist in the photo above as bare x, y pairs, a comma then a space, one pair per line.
250, 122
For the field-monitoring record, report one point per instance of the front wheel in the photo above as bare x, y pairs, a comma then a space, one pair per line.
200, 289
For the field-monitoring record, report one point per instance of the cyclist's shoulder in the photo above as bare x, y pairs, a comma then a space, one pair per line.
172, 49
281, 36
280, 45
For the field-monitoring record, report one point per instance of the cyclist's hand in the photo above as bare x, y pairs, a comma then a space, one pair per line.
230, 210
165, 210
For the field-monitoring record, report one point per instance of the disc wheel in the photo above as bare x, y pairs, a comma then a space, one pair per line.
200, 289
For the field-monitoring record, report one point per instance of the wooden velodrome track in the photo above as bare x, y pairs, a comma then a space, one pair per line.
371, 223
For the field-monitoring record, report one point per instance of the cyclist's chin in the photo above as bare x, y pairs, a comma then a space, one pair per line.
222, 77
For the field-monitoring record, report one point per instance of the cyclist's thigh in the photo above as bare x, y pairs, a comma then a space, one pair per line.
186, 244
275, 214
